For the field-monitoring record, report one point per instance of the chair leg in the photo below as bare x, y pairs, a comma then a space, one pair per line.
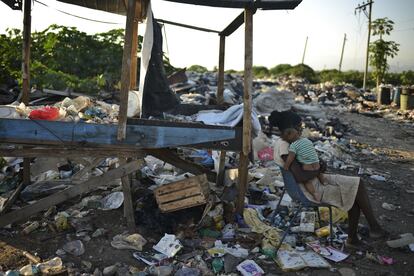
280, 200
287, 230
319, 217
278, 205
331, 225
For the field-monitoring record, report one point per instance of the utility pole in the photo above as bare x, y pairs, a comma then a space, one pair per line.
363, 7
342, 53
304, 50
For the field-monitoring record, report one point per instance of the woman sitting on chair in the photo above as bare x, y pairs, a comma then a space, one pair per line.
344, 192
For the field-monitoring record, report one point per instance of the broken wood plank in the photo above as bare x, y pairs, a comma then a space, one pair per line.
87, 186
78, 175
128, 205
221, 168
12, 198
171, 157
85, 134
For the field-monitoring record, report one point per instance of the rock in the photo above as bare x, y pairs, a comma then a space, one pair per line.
389, 206
345, 271
60, 252
110, 270
230, 263
164, 270
98, 232
87, 265
187, 271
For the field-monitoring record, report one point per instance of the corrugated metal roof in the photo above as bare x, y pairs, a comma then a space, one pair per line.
118, 6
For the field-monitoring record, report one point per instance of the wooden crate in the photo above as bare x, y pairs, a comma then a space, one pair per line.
182, 194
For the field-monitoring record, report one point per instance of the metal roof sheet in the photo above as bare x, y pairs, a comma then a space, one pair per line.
118, 6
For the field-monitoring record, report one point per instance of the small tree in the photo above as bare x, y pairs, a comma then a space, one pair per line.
380, 50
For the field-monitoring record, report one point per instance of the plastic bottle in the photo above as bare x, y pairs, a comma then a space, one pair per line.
33, 226
322, 232
217, 264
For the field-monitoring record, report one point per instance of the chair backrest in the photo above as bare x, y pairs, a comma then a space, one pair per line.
293, 189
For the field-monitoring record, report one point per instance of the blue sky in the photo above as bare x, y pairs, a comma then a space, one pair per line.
279, 36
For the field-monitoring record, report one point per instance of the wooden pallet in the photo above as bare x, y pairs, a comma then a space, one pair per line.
182, 194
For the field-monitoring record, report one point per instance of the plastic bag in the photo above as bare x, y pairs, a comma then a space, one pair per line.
48, 113
338, 215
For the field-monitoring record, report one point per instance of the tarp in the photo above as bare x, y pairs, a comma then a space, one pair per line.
157, 96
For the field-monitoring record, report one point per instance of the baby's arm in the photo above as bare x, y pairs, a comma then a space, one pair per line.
289, 160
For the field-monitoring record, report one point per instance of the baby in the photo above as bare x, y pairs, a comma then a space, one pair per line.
302, 149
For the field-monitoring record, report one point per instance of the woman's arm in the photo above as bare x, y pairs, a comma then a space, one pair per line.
291, 156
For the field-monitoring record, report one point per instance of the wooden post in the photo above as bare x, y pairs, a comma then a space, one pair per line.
123, 105
247, 108
220, 84
220, 91
134, 63
27, 22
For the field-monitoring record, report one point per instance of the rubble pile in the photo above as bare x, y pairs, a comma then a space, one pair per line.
207, 238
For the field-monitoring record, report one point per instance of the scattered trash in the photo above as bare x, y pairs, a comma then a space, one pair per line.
52, 266
384, 260
169, 245
307, 222
150, 258
328, 252
31, 227
250, 268
292, 260
45, 113
377, 177
404, 240
134, 241
75, 248
112, 201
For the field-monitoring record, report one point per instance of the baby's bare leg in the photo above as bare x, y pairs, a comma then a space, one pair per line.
311, 189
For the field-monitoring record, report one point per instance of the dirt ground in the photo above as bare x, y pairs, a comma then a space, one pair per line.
393, 144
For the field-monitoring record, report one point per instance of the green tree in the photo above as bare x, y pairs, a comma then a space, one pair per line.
280, 69
381, 50
197, 68
260, 71
407, 77
303, 71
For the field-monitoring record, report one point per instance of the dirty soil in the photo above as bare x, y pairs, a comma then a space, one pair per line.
393, 144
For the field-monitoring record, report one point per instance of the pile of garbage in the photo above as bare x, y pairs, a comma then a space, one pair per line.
202, 235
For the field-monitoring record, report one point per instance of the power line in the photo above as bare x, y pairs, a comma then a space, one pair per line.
77, 16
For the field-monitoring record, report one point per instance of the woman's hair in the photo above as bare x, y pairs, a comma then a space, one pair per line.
284, 119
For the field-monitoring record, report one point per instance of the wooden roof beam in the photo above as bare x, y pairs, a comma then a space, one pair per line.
186, 26
235, 24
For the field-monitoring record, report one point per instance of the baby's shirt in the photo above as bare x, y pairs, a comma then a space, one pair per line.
305, 151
